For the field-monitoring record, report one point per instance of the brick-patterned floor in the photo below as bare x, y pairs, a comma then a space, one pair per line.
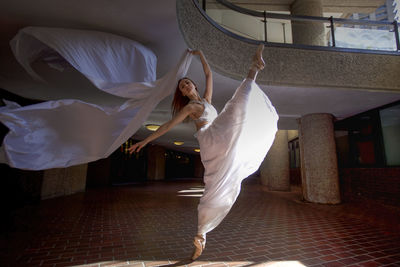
153, 224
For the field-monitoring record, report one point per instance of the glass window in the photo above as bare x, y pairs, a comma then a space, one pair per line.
390, 121
363, 140
360, 138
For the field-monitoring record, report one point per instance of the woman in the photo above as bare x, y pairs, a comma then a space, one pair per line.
232, 144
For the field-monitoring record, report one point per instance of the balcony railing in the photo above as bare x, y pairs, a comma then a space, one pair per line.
275, 28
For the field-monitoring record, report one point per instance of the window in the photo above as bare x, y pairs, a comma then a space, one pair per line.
370, 139
390, 122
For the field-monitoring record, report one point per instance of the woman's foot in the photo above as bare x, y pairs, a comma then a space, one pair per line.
199, 244
258, 61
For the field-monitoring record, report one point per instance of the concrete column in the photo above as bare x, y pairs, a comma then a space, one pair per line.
319, 172
274, 170
155, 162
63, 181
304, 32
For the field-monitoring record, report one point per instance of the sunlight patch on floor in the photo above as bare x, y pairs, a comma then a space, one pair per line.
191, 192
194, 263
282, 264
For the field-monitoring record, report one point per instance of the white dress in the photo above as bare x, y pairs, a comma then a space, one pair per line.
62, 133
232, 146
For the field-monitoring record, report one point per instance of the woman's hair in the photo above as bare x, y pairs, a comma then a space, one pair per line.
180, 100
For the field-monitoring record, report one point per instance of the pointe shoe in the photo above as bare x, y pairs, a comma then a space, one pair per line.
199, 244
258, 61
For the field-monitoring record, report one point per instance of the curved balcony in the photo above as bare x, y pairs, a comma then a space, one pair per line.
278, 27
289, 64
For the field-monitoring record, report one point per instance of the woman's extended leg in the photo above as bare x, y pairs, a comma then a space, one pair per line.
235, 106
258, 63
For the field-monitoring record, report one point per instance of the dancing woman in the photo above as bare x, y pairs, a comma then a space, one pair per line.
232, 144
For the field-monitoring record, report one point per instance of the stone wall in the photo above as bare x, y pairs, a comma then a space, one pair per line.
156, 162
63, 181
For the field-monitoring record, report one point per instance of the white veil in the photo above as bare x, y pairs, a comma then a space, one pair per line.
62, 133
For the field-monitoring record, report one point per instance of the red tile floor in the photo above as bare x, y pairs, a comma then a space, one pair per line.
153, 225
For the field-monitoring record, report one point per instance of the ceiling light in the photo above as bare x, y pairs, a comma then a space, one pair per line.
178, 143
197, 150
152, 127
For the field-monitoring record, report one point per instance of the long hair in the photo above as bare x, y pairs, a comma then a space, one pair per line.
180, 100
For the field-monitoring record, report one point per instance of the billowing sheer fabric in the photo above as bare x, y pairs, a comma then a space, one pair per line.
62, 133
232, 147
107, 60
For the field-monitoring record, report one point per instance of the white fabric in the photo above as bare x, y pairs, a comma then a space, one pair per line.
232, 147
209, 112
62, 133
107, 60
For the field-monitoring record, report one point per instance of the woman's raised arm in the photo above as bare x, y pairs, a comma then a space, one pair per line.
186, 111
208, 73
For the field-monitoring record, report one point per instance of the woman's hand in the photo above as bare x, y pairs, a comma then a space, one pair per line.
137, 147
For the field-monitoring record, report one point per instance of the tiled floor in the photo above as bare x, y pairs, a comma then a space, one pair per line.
153, 224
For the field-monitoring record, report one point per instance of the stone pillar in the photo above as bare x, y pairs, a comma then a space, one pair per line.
274, 170
63, 181
319, 172
305, 32
155, 162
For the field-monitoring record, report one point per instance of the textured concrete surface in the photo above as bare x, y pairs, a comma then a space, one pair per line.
274, 170
292, 134
305, 32
63, 181
286, 65
156, 162
319, 171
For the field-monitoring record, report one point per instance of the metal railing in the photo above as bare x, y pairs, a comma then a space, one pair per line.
333, 22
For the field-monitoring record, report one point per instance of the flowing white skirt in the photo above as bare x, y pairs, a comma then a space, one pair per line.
232, 147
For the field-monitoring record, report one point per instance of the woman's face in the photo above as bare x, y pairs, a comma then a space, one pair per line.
186, 86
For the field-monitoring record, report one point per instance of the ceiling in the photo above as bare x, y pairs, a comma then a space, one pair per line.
152, 23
